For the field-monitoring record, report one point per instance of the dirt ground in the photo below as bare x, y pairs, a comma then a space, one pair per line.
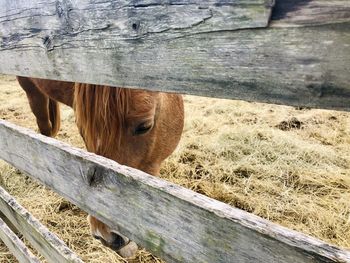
288, 165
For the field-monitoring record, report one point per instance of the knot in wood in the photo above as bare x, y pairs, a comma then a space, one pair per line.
135, 25
94, 176
70, 19
59, 9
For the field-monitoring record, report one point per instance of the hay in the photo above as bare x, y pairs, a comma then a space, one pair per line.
233, 151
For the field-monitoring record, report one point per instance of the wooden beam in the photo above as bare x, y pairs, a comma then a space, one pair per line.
45, 242
208, 48
289, 13
15, 245
172, 222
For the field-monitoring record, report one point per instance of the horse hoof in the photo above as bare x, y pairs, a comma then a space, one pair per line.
129, 250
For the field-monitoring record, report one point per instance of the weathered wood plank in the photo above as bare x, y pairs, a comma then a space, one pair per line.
177, 46
15, 245
127, 18
310, 12
45, 242
9, 223
174, 223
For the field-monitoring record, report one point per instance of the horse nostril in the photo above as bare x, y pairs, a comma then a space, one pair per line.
118, 242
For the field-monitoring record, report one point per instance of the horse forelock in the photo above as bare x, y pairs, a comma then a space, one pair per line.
100, 113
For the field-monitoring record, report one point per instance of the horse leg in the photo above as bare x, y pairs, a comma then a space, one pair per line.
45, 109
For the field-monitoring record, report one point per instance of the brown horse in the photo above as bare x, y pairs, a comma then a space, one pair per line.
136, 128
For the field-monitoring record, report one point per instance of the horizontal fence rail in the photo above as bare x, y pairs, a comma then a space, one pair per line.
45, 242
172, 222
15, 245
226, 49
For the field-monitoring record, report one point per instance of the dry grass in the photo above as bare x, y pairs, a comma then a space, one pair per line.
291, 166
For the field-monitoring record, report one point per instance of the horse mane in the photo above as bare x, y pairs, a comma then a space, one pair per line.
100, 113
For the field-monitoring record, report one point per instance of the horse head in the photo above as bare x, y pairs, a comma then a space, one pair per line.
136, 128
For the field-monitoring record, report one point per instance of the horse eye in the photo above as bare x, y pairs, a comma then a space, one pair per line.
142, 128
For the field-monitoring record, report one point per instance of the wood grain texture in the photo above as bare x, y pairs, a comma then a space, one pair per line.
125, 19
217, 49
15, 245
310, 12
45, 242
174, 223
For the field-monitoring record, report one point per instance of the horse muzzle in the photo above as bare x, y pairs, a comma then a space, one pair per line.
120, 244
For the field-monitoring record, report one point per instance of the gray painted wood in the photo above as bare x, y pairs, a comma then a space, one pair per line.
45, 242
174, 223
15, 245
209, 48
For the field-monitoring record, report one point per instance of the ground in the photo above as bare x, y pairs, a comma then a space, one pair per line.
288, 165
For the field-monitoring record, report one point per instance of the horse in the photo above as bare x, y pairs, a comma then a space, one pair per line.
133, 127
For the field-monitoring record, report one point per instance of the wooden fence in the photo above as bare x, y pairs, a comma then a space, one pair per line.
45, 242
295, 53
220, 48
174, 223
